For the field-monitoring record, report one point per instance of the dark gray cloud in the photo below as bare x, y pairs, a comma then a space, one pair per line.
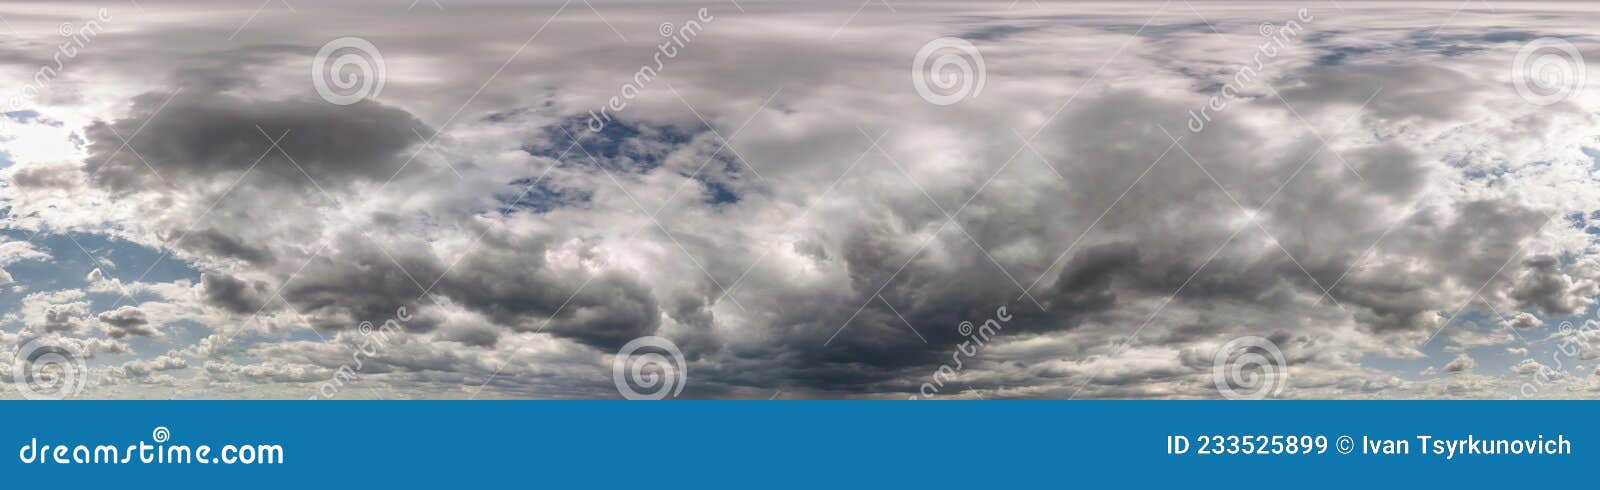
218, 243
233, 294
193, 134
506, 280
1548, 288
126, 321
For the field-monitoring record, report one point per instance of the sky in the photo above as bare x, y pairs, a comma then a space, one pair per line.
765, 199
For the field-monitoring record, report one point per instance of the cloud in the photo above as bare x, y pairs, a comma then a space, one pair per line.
126, 321
1546, 287
55, 311
215, 134
1461, 363
269, 371
234, 295
1376, 190
145, 368
1523, 320
1530, 367
12, 252
1469, 335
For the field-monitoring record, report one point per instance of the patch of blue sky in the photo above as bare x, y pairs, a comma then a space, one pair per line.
718, 194
75, 255
540, 197
177, 334
23, 116
1594, 157
69, 268
619, 146
1490, 359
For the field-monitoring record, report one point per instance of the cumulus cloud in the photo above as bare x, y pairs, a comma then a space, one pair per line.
55, 311
1530, 367
145, 368
1461, 363
233, 294
1546, 287
12, 252
126, 321
1524, 320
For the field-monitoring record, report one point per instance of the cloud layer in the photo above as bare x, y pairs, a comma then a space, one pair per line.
1373, 192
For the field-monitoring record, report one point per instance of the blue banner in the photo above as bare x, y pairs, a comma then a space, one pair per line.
885, 444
